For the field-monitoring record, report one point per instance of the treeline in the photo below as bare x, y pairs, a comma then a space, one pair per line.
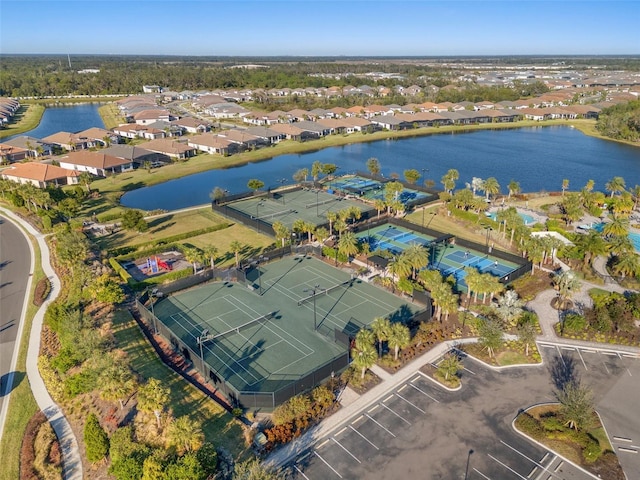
621, 121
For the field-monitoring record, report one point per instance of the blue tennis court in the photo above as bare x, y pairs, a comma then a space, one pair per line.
449, 258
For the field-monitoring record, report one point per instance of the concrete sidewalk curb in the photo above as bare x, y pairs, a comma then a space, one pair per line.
72, 469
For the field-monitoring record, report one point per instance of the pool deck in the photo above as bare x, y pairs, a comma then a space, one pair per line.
537, 216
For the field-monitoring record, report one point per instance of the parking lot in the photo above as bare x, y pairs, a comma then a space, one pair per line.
420, 430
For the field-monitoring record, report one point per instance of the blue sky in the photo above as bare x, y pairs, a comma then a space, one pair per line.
310, 28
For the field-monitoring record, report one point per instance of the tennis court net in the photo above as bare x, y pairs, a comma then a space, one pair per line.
325, 202
275, 214
214, 336
324, 291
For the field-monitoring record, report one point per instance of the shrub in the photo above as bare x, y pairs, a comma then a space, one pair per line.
530, 425
120, 270
82, 382
43, 288
95, 439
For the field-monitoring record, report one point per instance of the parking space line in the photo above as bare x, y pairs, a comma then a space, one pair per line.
387, 399
341, 431
506, 466
410, 403
625, 367
323, 443
561, 358
402, 387
622, 439
397, 415
357, 420
544, 457
424, 393
374, 408
570, 349
537, 465
481, 474
605, 365
559, 466
300, 472
416, 378
532, 472
581, 359
610, 354
470, 371
381, 426
327, 464
345, 449
364, 438
626, 449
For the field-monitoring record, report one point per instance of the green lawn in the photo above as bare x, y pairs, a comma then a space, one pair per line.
110, 115
162, 227
22, 405
219, 427
27, 118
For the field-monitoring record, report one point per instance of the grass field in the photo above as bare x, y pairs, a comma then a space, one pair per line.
22, 405
110, 116
27, 118
162, 227
218, 425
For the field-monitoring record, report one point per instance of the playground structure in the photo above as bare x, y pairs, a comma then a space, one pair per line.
154, 264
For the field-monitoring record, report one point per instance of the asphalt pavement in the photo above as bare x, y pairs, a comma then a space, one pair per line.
15, 267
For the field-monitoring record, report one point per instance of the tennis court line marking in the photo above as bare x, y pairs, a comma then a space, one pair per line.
268, 328
237, 372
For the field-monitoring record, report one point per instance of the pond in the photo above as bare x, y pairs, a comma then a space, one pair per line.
72, 118
539, 158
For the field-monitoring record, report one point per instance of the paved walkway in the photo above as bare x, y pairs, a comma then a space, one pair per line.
69, 445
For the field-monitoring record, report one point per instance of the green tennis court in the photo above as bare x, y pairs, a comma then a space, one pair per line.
310, 205
259, 337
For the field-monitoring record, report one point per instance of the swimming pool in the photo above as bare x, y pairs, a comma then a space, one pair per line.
634, 237
528, 219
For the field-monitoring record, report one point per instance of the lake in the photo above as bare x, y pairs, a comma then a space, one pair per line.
72, 118
539, 158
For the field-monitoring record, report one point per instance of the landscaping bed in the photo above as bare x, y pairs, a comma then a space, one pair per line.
590, 448
511, 353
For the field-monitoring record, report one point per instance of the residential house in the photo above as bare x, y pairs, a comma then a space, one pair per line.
35, 146
210, 143
138, 156
40, 175
268, 135
171, 148
242, 138
100, 136
70, 141
192, 125
133, 130
96, 163
335, 125
292, 132
298, 115
145, 117
11, 154
226, 110
357, 124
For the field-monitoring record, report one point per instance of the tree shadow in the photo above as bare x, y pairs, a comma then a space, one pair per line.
563, 371
10, 381
401, 315
163, 227
159, 221
132, 186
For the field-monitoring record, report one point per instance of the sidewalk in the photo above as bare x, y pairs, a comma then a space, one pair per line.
72, 469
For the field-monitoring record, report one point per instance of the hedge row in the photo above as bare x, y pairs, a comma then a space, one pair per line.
119, 252
158, 248
120, 270
166, 278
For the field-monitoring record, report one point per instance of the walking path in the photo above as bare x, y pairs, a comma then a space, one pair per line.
353, 404
72, 462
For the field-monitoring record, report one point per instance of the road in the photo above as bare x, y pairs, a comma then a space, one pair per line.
15, 264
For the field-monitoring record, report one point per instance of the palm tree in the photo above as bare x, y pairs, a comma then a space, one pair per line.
449, 366
417, 256
399, 267
281, 231
615, 185
567, 284
448, 180
590, 246
399, 337
86, 179
620, 246
626, 265
373, 165
236, 247
364, 358
491, 187
527, 335
514, 188
194, 256
379, 205
635, 192
449, 304
348, 244
381, 328
490, 335
211, 252
618, 227
153, 397
255, 185
117, 383
472, 279
185, 434
364, 338
331, 217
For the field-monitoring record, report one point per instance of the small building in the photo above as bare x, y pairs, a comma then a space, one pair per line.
96, 163
171, 148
